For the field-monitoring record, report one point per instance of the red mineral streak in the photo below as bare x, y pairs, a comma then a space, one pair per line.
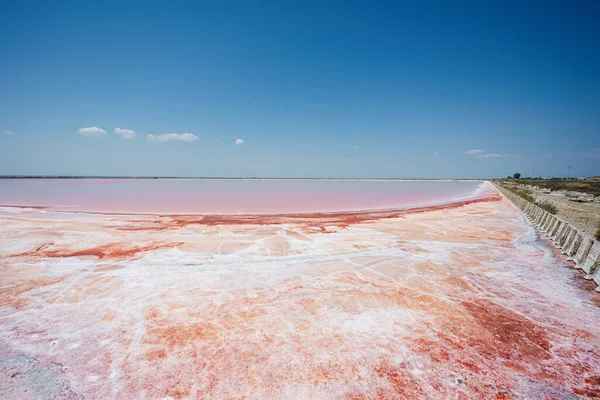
591, 388
117, 251
12, 295
320, 220
514, 335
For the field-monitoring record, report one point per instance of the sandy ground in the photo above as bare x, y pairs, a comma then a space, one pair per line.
584, 216
460, 301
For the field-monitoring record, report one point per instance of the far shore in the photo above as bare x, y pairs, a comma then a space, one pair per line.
15, 177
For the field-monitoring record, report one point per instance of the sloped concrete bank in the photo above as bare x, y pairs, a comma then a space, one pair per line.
580, 247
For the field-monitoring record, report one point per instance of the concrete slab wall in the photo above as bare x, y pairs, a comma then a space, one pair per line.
545, 216
569, 242
551, 222
581, 248
590, 265
562, 241
575, 245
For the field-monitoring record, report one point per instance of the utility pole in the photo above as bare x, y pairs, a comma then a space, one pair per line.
569, 171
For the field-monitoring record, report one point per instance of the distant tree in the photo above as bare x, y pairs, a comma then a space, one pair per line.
517, 175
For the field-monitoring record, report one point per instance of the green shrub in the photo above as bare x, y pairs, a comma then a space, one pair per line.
546, 205
526, 195
597, 235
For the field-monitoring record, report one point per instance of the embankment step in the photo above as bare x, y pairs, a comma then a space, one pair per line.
581, 248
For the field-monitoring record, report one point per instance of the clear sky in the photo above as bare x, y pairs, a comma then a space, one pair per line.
310, 88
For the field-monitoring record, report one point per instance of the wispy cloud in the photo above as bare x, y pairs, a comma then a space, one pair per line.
125, 133
496, 155
8, 133
481, 154
92, 131
186, 137
239, 141
436, 153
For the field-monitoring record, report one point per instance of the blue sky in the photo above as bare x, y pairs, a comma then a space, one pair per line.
314, 89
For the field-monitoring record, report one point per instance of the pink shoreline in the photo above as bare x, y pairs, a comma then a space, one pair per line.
300, 214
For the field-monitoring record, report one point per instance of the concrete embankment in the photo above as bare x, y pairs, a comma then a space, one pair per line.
579, 246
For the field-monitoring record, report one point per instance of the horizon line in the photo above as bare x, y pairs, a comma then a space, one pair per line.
219, 177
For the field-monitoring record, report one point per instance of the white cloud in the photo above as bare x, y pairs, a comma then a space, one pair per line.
92, 131
186, 137
496, 155
481, 154
125, 133
355, 147
239, 141
435, 153
8, 133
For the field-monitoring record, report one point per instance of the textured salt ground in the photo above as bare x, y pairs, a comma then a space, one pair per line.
463, 301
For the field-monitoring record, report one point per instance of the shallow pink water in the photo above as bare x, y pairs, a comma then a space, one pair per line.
188, 196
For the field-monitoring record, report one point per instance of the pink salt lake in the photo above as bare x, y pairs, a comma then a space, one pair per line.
193, 196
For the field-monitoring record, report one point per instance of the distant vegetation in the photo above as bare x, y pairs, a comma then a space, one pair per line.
576, 185
517, 175
546, 205
525, 194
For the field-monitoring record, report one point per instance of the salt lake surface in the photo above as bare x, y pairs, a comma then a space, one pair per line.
232, 196
460, 300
